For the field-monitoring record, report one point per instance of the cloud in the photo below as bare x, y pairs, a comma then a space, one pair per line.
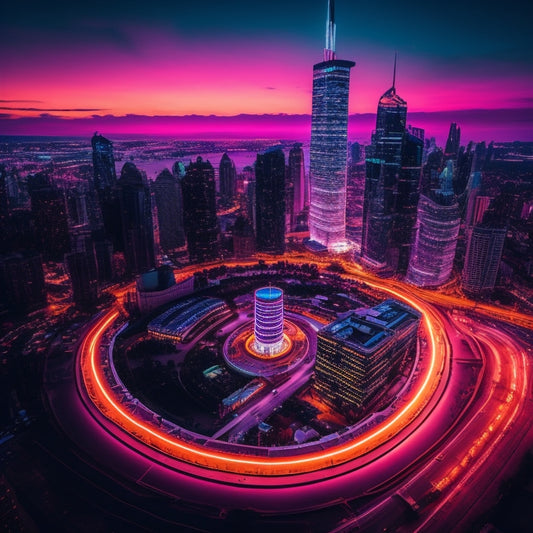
21, 102
38, 109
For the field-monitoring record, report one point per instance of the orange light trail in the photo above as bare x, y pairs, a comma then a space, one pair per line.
102, 396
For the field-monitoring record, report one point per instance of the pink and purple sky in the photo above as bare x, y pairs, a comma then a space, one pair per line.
119, 67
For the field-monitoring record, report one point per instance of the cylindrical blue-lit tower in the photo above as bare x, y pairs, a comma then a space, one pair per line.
268, 322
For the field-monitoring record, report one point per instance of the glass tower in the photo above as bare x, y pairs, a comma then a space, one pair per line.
329, 137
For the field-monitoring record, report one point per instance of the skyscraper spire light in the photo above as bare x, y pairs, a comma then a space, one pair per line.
394, 72
331, 30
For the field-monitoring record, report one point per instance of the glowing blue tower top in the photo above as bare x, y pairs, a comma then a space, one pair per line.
329, 137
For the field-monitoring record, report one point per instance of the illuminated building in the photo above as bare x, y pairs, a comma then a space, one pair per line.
483, 255
268, 320
227, 176
358, 354
296, 186
158, 287
329, 132
169, 201
199, 212
270, 201
438, 227
137, 226
392, 186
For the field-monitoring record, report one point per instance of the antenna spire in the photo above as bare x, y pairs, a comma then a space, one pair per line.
394, 72
329, 51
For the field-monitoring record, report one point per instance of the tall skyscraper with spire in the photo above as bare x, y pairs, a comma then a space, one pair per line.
329, 137
392, 186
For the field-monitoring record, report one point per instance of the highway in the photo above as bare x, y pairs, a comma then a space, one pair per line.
428, 459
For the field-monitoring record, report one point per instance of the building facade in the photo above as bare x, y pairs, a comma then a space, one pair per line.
358, 354
329, 143
137, 223
199, 212
270, 201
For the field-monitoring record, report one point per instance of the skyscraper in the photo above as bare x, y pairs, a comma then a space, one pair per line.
383, 163
228, 176
438, 226
270, 201
295, 186
169, 201
105, 182
137, 224
49, 212
22, 286
84, 278
392, 186
105, 175
329, 134
453, 142
483, 255
199, 212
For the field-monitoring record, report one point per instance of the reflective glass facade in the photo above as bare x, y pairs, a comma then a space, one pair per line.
329, 131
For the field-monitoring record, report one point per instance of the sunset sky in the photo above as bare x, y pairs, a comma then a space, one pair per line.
208, 57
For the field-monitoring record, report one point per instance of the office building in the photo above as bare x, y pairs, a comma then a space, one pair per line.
295, 186
270, 201
328, 153
137, 224
227, 174
359, 354
169, 202
438, 225
199, 212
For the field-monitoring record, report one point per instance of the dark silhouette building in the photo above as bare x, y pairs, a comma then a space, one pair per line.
295, 186
105, 183
136, 216
169, 201
83, 275
228, 177
453, 142
199, 212
270, 201
243, 238
49, 212
22, 287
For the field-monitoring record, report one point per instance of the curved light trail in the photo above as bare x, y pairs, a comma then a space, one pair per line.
103, 398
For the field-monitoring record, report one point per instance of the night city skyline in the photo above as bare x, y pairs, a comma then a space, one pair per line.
208, 58
266, 267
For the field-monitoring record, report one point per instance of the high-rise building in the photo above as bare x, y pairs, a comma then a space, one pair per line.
105, 175
199, 212
136, 214
227, 175
483, 255
169, 201
329, 137
243, 238
268, 320
84, 278
22, 286
358, 354
270, 201
453, 142
295, 186
407, 195
105, 182
383, 166
392, 186
49, 212
438, 225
